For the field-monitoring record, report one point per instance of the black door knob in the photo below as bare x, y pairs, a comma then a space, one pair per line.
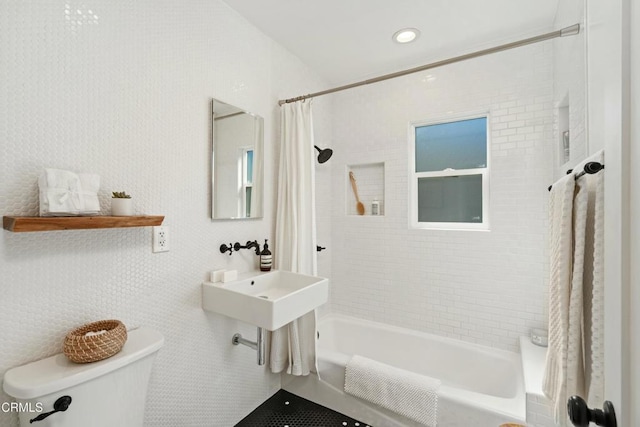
581, 415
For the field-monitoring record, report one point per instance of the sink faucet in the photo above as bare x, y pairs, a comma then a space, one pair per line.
249, 245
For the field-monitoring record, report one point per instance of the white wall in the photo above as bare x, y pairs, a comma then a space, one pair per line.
570, 72
123, 89
487, 287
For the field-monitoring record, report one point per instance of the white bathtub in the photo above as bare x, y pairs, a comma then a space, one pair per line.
481, 386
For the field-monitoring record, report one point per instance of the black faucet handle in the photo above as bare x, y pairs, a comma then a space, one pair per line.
224, 248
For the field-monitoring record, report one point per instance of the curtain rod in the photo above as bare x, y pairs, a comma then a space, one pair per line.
568, 31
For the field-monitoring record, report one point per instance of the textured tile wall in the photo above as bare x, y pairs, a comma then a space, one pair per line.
539, 411
122, 89
486, 287
569, 71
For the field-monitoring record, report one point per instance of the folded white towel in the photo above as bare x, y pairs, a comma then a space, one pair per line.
61, 179
406, 393
90, 184
67, 193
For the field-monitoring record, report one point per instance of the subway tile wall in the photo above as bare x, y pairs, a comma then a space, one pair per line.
569, 69
122, 89
539, 411
485, 287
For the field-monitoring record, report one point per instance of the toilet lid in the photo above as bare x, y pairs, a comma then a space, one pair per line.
57, 373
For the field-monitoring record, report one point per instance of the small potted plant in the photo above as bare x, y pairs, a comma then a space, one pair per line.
121, 204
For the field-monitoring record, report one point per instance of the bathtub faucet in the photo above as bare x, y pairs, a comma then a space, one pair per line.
249, 245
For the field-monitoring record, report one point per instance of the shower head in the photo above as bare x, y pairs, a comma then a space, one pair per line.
324, 155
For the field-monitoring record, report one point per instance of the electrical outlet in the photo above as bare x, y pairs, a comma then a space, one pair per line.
161, 239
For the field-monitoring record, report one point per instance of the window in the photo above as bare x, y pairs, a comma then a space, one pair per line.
449, 177
247, 180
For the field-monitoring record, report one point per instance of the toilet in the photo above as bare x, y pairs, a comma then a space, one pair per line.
111, 392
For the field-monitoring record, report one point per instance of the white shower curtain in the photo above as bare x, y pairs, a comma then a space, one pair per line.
293, 347
575, 356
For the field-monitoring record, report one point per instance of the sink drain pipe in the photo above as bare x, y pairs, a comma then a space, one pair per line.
258, 345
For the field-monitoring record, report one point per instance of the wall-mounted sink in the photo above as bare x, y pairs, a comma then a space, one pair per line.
266, 300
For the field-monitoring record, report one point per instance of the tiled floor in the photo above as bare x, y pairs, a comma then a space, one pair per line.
284, 409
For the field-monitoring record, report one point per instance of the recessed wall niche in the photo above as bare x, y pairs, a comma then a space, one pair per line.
369, 179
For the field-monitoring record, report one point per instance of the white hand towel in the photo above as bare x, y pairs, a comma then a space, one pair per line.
64, 192
576, 330
561, 245
406, 393
593, 278
62, 179
575, 357
60, 193
90, 184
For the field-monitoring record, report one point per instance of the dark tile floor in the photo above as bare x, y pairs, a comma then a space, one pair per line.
284, 409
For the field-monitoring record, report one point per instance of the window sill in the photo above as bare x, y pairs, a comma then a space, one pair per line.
448, 228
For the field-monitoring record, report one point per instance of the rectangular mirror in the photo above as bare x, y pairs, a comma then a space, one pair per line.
237, 162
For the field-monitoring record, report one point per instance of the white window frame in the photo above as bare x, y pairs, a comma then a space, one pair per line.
244, 184
414, 176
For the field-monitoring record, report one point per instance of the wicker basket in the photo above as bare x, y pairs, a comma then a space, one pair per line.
80, 348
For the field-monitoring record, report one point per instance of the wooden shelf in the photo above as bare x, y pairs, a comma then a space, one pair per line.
40, 223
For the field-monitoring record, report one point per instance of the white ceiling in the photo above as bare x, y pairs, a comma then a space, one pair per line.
350, 40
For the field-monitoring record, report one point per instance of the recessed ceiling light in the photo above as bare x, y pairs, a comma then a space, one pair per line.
406, 35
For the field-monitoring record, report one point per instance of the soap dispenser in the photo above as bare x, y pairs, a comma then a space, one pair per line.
266, 260
375, 207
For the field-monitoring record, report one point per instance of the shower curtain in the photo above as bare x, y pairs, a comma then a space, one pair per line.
575, 357
293, 347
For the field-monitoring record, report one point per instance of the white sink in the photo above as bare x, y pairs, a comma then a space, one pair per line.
267, 300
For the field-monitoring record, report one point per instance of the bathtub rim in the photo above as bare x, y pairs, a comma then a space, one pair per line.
485, 349
516, 405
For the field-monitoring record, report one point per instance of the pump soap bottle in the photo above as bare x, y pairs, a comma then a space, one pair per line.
375, 207
266, 259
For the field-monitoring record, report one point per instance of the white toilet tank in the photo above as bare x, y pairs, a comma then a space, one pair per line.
108, 393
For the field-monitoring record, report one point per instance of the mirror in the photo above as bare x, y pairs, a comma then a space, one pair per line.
237, 162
